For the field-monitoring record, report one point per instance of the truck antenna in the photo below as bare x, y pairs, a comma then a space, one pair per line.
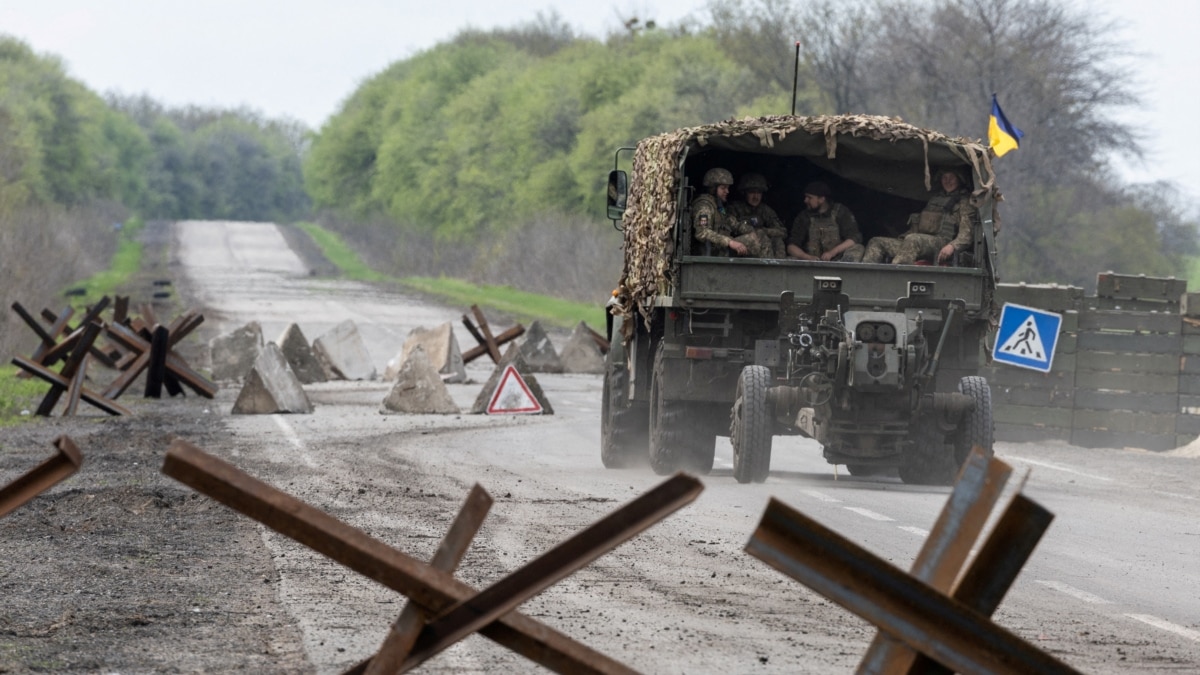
795, 77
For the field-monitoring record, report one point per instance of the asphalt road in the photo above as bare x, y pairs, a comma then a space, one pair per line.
1112, 588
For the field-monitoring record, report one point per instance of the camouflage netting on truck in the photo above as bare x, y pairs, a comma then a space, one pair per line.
654, 188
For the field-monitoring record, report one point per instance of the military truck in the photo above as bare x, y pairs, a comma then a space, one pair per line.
876, 362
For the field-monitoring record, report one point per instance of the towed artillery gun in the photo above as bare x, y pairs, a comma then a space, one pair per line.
876, 362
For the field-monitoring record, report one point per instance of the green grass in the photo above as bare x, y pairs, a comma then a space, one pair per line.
520, 304
340, 254
126, 262
17, 394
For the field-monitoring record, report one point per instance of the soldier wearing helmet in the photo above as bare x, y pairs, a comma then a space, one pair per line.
715, 229
769, 231
946, 225
825, 230
714, 226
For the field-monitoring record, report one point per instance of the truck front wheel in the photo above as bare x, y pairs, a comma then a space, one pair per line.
750, 430
623, 428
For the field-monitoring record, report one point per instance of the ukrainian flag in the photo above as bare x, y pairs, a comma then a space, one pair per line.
1002, 135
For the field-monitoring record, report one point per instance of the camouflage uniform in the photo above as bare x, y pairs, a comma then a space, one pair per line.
767, 239
713, 224
948, 218
817, 232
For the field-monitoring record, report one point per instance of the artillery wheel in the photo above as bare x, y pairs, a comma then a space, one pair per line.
977, 427
750, 429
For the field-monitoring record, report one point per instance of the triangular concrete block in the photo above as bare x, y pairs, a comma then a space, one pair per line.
419, 389
538, 351
233, 353
582, 354
343, 354
271, 387
513, 357
300, 356
440, 347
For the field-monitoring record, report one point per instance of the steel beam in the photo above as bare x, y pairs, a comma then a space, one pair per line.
436, 591
943, 628
941, 558
42, 477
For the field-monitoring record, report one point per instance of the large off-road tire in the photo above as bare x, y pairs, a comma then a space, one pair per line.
679, 436
930, 461
624, 430
978, 426
750, 430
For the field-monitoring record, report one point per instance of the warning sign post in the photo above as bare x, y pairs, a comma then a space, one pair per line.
512, 396
1026, 337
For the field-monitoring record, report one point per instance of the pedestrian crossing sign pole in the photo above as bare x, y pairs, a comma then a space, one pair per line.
1026, 337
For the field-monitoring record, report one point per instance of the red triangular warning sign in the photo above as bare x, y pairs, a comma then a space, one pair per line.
512, 396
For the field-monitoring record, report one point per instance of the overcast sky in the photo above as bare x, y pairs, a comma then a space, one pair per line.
302, 58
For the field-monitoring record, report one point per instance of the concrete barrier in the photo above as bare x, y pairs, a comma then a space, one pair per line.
419, 389
271, 387
343, 354
233, 353
581, 353
300, 356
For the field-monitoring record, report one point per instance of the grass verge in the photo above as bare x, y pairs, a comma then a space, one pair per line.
520, 304
16, 393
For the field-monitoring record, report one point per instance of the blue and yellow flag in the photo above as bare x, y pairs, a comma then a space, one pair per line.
1002, 135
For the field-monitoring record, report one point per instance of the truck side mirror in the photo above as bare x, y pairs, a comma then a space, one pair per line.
618, 194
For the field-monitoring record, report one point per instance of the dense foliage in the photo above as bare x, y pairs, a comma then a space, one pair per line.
62, 144
218, 164
477, 136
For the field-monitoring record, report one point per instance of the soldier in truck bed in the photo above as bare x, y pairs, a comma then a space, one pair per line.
825, 230
716, 230
769, 230
945, 226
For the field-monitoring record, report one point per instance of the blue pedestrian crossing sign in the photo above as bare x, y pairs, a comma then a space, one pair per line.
1026, 337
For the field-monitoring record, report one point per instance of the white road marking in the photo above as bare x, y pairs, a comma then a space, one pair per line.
1175, 495
290, 434
821, 496
1059, 467
868, 513
1188, 633
915, 530
1074, 592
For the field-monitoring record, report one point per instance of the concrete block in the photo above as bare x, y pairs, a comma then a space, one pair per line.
233, 353
343, 354
300, 356
538, 351
271, 387
441, 349
581, 353
419, 389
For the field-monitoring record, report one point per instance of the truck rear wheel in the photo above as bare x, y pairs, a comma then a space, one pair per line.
679, 437
976, 427
624, 433
750, 430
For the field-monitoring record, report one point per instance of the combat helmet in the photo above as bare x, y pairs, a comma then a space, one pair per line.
714, 177
752, 182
